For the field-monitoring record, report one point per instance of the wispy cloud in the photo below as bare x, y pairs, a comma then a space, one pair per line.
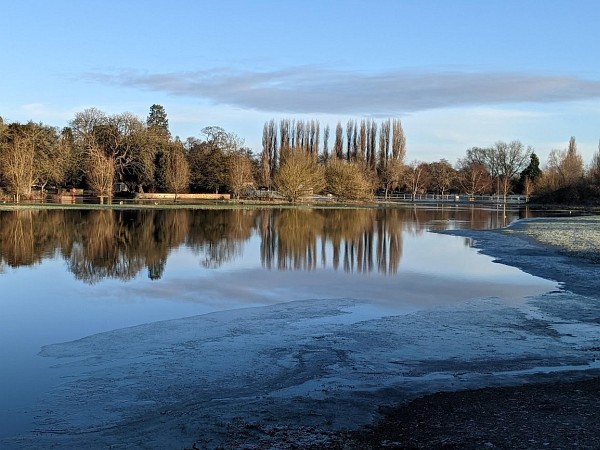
308, 89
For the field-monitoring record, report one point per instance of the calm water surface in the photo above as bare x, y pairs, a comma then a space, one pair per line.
66, 274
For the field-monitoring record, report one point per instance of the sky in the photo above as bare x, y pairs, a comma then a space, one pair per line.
457, 73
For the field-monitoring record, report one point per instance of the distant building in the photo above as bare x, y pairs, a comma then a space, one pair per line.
120, 187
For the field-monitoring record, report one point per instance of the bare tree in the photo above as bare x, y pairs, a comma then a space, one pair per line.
391, 175
75, 158
313, 137
527, 187
17, 158
384, 144
504, 162
349, 132
100, 173
512, 158
240, 173
177, 176
442, 176
298, 176
338, 146
284, 138
118, 136
371, 146
416, 177
551, 179
594, 170
473, 177
572, 165
51, 158
355, 142
268, 158
148, 146
398, 141
564, 167
326, 143
299, 141
347, 180
362, 142
225, 141
30, 155
208, 160
84, 123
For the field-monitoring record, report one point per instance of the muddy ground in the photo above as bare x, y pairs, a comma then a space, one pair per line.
545, 415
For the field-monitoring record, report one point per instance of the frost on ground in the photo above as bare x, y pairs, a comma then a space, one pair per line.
579, 237
300, 371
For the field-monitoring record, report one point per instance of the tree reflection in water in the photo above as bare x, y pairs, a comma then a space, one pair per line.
28, 236
217, 236
360, 239
121, 243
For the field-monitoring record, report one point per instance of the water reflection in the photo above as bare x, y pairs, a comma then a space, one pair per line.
217, 236
122, 243
360, 240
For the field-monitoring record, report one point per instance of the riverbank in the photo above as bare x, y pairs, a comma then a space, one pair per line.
319, 202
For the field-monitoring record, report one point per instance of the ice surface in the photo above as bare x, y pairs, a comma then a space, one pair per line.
175, 382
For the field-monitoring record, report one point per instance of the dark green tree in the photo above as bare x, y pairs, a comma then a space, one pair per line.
531, 172
159, 137
157, 121
208, 167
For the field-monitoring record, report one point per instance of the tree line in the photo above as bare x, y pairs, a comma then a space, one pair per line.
510, 168
352, 161
97, 150
367, 158
363, 156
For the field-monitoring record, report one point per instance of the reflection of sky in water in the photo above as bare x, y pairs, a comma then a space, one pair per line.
434, 269
45, 304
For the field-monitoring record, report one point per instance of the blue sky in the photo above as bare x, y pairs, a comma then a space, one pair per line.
458, 73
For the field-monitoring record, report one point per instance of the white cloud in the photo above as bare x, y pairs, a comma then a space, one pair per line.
315, 90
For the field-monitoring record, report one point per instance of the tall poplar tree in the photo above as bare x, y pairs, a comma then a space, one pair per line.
338, 146
326, 143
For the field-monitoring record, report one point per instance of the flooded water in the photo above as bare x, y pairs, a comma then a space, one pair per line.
67, 274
